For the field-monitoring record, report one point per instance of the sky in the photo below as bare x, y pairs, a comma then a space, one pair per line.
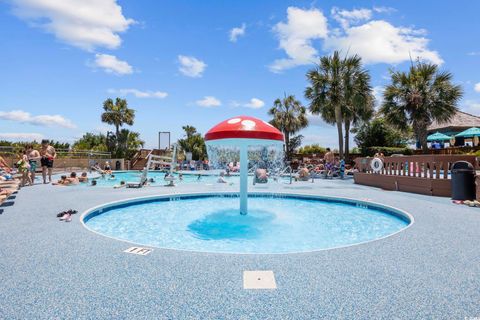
200, 62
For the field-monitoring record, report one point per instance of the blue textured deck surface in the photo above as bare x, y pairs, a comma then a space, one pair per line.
51, 269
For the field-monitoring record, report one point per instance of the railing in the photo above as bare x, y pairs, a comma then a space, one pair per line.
61, 153
425, 174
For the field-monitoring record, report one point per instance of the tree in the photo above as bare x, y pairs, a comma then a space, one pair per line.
340, 93
289, 116
117, 114
128, 143
193, 142
378, 133
312, 149
91, 141
420, 97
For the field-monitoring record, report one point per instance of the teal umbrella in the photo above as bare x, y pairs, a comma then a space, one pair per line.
469, 133
437, 136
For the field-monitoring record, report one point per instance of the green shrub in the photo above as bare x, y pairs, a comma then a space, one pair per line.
388, 151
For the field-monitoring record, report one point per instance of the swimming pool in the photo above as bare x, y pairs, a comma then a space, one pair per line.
158, 178
275, 223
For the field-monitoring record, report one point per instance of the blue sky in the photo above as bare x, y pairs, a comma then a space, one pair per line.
199, 62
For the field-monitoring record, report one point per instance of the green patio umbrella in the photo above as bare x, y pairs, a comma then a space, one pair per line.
469, 133
437, 136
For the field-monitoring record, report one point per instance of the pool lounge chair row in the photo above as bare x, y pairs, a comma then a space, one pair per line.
8, 188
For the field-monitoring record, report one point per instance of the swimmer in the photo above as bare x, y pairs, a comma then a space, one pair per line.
121, 185
221, 179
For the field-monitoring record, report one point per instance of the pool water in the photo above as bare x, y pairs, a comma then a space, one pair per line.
158, 179
273, 224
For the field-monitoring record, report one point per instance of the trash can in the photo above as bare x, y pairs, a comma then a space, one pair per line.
118, 165
463, 181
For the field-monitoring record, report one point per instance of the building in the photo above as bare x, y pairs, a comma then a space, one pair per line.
460, 122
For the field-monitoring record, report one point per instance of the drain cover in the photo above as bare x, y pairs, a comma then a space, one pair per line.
259, 279
138, 250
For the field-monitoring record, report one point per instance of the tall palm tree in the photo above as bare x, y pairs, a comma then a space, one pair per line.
117, 114
340, 93
359, 99
289, 116
420, 97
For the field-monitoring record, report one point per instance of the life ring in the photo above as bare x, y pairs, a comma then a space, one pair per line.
376, 164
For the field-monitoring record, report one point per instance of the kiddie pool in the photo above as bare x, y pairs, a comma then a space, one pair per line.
276, 223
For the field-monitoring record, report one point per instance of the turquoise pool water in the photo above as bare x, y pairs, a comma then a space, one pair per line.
273, 224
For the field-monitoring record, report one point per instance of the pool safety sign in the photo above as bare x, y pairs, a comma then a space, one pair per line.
139, 250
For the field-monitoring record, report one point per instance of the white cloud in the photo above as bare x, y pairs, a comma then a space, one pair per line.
472, 106
474, 53
316, 120
376, 41
346, 17
140, 94
15, 136
378, 94
384, 9
379, 41
40, 120
111, 64
191, 66
237, 32
296, 36
209, 101
254, 103
86, 24
477, 87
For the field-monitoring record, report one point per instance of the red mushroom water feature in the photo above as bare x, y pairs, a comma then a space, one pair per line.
242, 132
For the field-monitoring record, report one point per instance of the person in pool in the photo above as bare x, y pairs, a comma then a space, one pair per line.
83, 177
199, 177
121, 185
94, 183
62, 182
221, 179
73, 178
107, 169
180, 176
33, 158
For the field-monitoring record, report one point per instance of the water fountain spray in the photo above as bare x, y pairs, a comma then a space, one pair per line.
242, 132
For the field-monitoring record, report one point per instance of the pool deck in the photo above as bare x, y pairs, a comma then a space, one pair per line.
57, 270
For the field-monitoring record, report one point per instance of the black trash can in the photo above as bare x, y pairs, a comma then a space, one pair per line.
118, 165
463, 181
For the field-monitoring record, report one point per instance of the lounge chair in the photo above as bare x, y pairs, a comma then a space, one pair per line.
143, 181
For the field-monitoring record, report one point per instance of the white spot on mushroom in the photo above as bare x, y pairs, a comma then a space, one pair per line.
249, 124
234, 120
268, 124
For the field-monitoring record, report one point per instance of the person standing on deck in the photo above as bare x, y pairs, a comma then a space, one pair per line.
329, 162
33, 158
48, 155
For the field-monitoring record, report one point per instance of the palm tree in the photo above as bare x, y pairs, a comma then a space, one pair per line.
289, 116
340, 93
420, 97
193, 142
359, 99
117, 114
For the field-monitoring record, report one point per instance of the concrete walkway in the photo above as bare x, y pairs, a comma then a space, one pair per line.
57, 270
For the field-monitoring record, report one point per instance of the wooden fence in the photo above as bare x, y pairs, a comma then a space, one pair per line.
426, 174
